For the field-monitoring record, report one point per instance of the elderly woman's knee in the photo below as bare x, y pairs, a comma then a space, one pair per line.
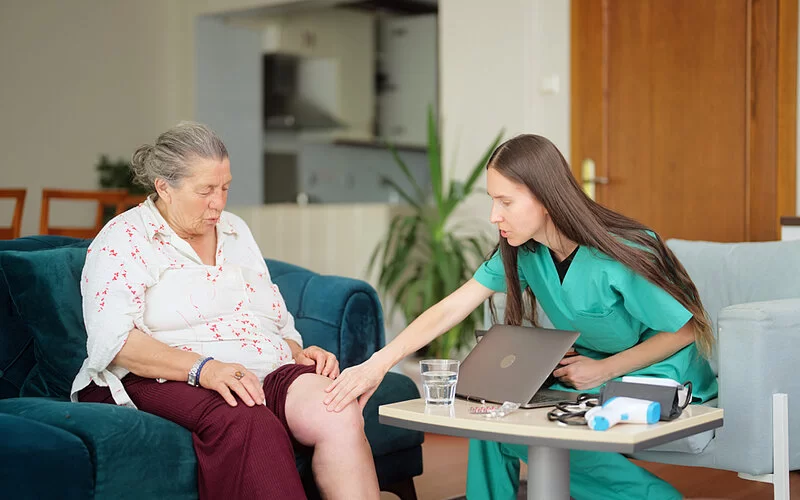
350, 420
316, 424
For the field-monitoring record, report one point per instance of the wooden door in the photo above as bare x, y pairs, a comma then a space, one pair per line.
688, 108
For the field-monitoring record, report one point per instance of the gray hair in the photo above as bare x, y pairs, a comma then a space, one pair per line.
169, 157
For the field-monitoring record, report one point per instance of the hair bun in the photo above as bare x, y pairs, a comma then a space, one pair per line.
140, 164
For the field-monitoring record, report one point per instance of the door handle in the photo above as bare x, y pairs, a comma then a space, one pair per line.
589, 178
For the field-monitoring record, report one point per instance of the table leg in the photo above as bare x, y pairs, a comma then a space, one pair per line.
548, 473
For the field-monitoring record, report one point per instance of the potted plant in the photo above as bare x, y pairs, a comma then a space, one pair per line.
116, 175
422, 259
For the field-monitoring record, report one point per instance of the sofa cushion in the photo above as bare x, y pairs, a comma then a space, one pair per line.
135, 454
16, 343
32, 451
341, 315
121, 442
16, 346
45, 292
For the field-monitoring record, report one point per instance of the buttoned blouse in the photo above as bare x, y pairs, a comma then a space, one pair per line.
140, 274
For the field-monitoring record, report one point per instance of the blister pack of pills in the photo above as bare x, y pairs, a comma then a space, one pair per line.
505, 409
481, 410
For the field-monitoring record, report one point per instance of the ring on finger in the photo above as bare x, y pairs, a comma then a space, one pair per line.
238, 375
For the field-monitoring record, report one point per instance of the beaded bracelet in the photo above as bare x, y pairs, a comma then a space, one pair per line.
194, 373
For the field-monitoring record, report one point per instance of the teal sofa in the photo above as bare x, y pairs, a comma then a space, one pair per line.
53, 448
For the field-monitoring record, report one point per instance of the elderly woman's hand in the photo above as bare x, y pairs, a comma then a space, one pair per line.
227, 377
326, 362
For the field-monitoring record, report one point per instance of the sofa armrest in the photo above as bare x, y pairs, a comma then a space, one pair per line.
341, 315
351, 307
758, 346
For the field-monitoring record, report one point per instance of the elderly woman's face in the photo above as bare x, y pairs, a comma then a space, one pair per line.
196, 204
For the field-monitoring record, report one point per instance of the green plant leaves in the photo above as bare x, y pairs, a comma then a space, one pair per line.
420, 194
421, 260
434, 159
411, 201
116, 174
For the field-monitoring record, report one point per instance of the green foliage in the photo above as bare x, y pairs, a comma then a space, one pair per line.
421, 259
117, 174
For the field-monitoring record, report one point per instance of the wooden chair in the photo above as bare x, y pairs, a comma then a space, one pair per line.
107, 197
9, 233
133, 200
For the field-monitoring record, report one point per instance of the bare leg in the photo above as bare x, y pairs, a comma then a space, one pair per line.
342, 462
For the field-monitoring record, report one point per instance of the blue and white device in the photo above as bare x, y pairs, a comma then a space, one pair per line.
621, 409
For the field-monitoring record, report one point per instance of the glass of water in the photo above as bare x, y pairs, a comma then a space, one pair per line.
439, 377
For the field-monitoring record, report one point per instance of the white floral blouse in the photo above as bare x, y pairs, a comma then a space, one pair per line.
140, 274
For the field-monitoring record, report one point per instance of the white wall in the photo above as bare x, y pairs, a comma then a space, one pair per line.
409, 59
492, 58
547, 110
328, 239
228, 89
79, 79
87, 77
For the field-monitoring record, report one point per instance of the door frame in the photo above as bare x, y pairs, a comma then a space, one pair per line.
771, 92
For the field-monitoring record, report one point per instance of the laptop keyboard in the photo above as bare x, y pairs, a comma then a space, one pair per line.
544, 397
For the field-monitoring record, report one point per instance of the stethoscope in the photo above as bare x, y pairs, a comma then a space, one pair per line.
573, 413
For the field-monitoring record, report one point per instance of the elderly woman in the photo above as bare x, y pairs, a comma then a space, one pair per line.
184, 322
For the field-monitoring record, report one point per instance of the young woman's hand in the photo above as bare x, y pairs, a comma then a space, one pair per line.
357, 382
229, 378
582, 373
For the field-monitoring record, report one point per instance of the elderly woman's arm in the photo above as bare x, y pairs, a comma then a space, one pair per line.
147, 357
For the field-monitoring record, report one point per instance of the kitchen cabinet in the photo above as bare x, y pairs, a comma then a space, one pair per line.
337, 52
408, 61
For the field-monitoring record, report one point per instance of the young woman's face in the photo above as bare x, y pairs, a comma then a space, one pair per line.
517, 213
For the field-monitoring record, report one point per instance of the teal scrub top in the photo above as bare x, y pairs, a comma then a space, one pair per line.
612, 307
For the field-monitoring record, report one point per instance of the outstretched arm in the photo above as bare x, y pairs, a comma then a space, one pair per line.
361, 381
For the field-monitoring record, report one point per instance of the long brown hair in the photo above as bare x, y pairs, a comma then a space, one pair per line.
535, 162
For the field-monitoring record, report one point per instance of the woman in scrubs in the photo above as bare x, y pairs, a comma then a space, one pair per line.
593, 271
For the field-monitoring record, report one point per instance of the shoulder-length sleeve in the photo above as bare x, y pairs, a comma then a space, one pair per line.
113, 284
492, 274
648, 302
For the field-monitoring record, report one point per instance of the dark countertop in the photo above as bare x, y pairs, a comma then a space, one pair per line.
790, 221
378, 144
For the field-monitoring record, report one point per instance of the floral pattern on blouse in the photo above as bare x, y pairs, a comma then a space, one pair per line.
140, 274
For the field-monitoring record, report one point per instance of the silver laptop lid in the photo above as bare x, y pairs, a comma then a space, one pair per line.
511, 363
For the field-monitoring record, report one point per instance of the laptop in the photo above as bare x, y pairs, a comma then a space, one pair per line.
512, 363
